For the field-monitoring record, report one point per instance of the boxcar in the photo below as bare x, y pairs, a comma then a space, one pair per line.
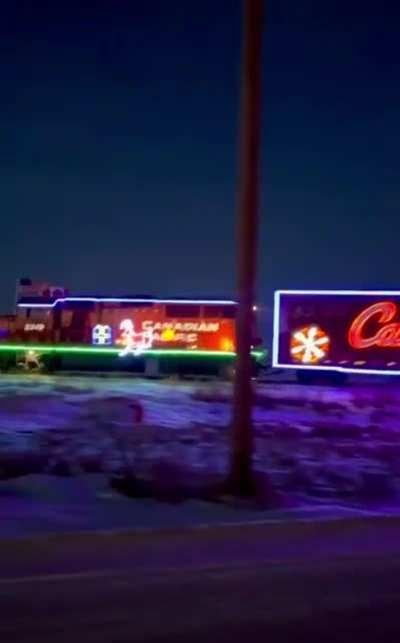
337, 332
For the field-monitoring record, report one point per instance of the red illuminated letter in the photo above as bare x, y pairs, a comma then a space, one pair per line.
385, 311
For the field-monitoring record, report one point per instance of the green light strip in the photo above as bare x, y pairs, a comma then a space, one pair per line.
96, 350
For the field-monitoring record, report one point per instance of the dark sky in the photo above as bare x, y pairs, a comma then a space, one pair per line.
118, 145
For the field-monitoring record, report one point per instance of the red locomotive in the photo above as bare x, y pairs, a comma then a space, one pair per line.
58, 330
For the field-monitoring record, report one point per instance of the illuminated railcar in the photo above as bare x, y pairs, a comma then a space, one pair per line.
142, 334
337, 332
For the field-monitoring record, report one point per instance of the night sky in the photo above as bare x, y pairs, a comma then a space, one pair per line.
118, 145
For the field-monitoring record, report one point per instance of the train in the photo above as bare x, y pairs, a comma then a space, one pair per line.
52, 329
334, 333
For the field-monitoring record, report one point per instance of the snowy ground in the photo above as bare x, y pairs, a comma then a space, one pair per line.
41, 504
319, 444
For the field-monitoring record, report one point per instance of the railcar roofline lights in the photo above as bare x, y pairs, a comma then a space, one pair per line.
378, 293
338, 369
129, 300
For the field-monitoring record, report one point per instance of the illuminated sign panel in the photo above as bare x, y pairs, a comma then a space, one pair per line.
355, 331
186, 332
137, 334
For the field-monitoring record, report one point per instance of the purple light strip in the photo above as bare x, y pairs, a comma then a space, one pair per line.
128, 300
340, 369
339, 292
276, 328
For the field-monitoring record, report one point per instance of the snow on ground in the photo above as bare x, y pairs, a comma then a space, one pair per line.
319, 443
38, 504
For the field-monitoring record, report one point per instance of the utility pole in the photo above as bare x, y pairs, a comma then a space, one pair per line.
240, 479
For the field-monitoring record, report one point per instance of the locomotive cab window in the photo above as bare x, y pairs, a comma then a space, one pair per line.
35, 313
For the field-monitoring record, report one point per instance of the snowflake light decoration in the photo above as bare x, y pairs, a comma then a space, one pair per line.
309, 345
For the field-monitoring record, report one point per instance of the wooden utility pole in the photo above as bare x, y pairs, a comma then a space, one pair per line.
240, 479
